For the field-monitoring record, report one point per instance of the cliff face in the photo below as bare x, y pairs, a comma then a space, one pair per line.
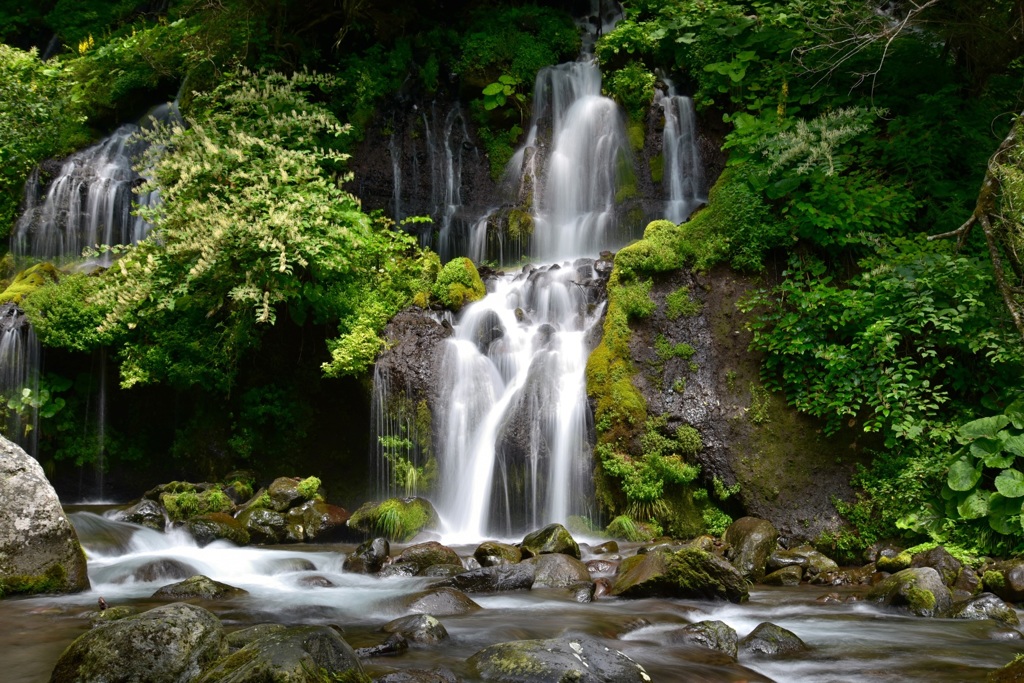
788, 471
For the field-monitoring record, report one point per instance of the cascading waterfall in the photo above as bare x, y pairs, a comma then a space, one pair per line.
514, 451
514, 447
684, 182
89, 203
20, 354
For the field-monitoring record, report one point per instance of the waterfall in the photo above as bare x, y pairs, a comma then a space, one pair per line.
89, 202
683, 170
20, 354
514, 451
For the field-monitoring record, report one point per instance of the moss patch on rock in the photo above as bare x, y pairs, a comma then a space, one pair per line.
458, 283
28, 281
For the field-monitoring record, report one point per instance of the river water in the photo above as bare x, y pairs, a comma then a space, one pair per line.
849, 641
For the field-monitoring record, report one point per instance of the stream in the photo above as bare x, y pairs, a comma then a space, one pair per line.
849, 641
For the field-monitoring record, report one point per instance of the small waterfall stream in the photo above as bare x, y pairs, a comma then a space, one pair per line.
684, 171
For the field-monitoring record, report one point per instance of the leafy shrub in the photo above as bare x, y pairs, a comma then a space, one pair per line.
633, 87
64, 314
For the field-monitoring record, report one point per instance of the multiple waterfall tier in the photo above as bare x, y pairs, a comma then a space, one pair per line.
512, 427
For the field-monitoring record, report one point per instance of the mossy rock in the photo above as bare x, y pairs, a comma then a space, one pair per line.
787, 576
201, 587
894, 563
554, 538
714, 635
163, 645
424, 555
291, 655
184, 505
578, 659
493, 553
104, 617
919, 589
771, 640
28, 281
264, 526
985, 606
751, 543
418, 628
397, 519
217, 526
685, 573
441, 602
458, 283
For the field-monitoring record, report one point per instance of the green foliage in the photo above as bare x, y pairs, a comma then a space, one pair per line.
309, 488
396, 519
889, 348
459, 283
626, 528
688, 442
28, 281
36, 121
64, 313
632, 86
666, 350
253, 224
186, 504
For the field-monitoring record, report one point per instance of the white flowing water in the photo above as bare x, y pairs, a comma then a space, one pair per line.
20, 354
685, 188
513, 433
854, 642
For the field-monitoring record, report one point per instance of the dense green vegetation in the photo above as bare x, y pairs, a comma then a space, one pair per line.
851, 139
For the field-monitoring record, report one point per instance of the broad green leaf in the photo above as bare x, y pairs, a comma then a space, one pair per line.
1014, 444
975, 505
986, 426
985, 446
494, 89
1010, 483
963, 475
1002, 523
1000, 460
1015, 411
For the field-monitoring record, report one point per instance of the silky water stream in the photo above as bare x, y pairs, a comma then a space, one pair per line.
850, 641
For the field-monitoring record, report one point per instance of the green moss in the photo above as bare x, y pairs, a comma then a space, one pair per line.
894, 564
920, 600
396, 519
308, 488
657, 168
993, 580
625, 528
520, 224
28, 281
53, 580
634, 298
188, 503
458, 283
680, 304
689, 440
760, 404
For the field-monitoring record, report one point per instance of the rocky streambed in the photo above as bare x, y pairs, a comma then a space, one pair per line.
524, 609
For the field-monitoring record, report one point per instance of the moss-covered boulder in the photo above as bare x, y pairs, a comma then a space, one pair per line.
368, 557
321, 522
288, 492
424, 629
787, 576
302, 654
161, 569
1005, 579
685, 573
242, 637
39, 549
771, 640
812, 562
168, 644
751, 542
439, 601
920, 590
105, 616
578, 659
201, 587
714, 635
1011, 673
397, 519
985, 606
492, 553
554, 538
265, 527
424, 555
458, 283
939, 559
217, 526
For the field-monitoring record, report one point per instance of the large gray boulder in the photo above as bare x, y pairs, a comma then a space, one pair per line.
751, 542
302, 654
170, 644
39, 549
577, 659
